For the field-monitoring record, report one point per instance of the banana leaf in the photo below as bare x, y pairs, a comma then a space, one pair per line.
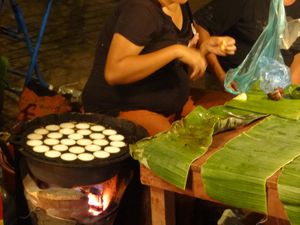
294, 91
289, 190
232, 118
258, 102
236, 174
170, 154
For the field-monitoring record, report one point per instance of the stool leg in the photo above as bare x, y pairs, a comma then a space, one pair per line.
23, 28
162, 207
37, 46
21, 24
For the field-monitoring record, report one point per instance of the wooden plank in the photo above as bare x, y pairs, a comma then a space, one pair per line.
162, 207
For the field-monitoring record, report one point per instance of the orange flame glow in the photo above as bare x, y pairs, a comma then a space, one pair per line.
99, 201
95, 203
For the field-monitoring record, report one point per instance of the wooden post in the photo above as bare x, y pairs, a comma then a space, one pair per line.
162, 207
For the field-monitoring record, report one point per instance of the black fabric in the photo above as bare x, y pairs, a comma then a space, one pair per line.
243, 20
144, 24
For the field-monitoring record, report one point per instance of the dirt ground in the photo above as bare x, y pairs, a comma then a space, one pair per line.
67, 49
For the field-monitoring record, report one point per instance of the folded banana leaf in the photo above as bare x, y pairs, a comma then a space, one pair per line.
232, 118
289, 190
170, 154
236, 174
258, 101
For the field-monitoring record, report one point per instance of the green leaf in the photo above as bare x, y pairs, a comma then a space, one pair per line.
232, 118
289, 190
236, 174
294, 91
170, 154
258, 102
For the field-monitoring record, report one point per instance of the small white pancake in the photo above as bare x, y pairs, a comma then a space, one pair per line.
92, 148
69, 125
100, 142
41, 131
84, 142
68, 156
52, 127
109, 132
75, 136
116, 137
60, 148
52, 154
84, 132
119, 144
82, 126
97, 136
51, 141
34, 136
86, 157
34, 142
76, 149
66, 131
41, 148
54, 135
101, 154
67, 141
112, 149
97, 128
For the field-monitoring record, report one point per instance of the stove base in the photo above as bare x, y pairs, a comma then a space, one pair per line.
40, 217
62, 206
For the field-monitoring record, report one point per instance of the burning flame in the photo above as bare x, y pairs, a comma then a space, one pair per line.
99, 196
98, 203
106, 200
95, 204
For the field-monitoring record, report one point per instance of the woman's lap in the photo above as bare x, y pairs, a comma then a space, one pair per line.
155, 122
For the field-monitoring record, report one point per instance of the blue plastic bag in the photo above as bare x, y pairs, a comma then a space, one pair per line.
267, 45
273, 74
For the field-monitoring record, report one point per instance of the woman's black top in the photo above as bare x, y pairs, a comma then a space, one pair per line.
143, 23
243, 20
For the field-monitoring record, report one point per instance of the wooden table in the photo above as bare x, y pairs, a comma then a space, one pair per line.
162, 192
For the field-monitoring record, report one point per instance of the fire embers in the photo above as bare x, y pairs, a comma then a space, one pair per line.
100, 195
277, 94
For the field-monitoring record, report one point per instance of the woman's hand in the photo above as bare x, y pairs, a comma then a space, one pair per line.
221, 46
195, 60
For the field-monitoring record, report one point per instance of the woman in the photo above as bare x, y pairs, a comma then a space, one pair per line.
143, 63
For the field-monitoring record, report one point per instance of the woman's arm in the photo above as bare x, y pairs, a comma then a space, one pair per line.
126, 65
213, 62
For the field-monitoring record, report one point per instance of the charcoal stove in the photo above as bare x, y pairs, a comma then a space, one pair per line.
89, 205
75, 192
